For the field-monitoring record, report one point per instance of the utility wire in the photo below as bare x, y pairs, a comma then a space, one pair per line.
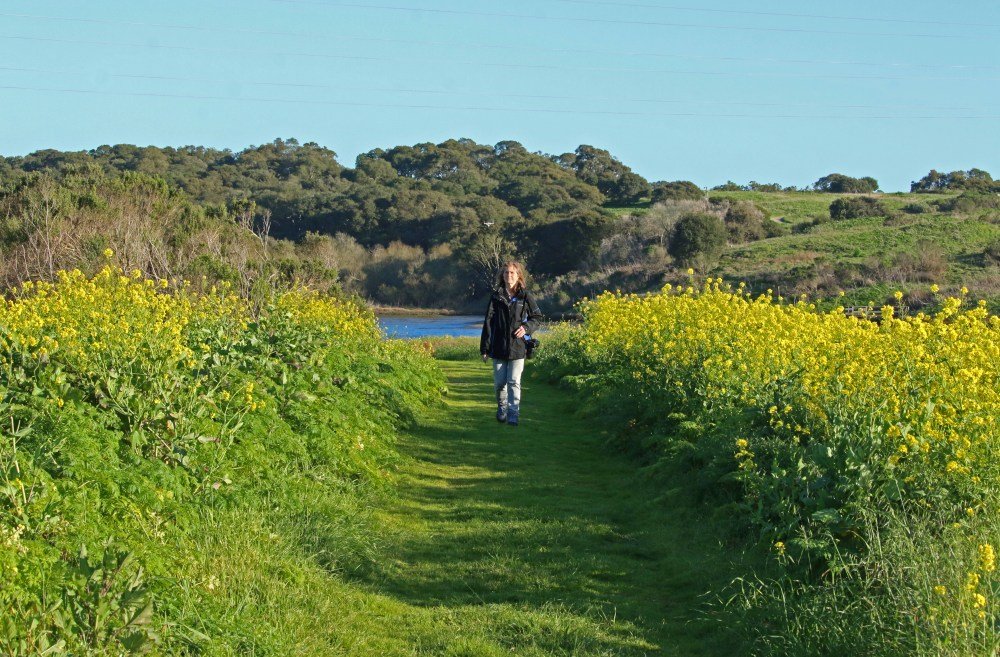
568, 51
475, 108
613, 21
552, 67
458, 92
777, 14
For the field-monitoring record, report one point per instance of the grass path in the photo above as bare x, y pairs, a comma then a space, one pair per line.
536, 540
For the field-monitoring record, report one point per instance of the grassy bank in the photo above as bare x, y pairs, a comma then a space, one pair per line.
183, 474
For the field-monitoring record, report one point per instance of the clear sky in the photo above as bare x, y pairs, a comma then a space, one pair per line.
785, 91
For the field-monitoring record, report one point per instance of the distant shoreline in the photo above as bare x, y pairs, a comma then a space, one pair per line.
404, 311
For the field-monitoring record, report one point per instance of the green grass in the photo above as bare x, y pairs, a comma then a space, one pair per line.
538, 540
864, 241
785, 207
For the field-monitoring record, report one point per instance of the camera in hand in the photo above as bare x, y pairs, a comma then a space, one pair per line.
530, 344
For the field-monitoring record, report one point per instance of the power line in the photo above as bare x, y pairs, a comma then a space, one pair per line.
458, 92
614, 21
490, 109
506, 65
739, 12
569, 51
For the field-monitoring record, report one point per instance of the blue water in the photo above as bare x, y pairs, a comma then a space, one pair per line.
396, 326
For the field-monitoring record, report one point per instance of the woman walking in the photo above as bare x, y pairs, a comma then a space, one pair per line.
511, 315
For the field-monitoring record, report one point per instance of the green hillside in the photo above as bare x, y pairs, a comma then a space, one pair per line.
426, 225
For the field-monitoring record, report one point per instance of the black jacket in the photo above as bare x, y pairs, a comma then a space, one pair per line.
503, 316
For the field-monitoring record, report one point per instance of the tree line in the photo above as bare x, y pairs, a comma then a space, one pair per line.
411, 225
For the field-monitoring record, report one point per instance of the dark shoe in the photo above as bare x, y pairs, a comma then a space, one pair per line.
501, 416
512, 421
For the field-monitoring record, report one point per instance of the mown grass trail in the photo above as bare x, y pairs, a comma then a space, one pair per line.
538, 540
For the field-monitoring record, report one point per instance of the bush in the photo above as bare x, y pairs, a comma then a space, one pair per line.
679, 190
698, 237
628, 189
991, 254
806, 226
915, 208
856, 208
565, 244
838, 183
969, 202
774, 229
745, 222
935, 181
927, 263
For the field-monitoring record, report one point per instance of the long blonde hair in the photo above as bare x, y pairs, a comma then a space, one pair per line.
522, 276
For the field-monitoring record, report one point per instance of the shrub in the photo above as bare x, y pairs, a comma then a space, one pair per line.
806, 226
838, 183
856, 208
774, 229
679, 190
629, 188
969, 202
992, 253
927, 263
698, 237
915, 208
745, 222
577, 238
935, 181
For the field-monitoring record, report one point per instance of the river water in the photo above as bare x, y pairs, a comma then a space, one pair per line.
398, 326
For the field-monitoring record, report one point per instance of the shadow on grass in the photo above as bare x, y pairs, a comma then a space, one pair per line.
544, 516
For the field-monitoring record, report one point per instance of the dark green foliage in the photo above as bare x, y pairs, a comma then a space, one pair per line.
857, 207
774, 229
915, 208
244, 217
629, 188
753, 186
597, 167
697, 237
838, 183
973, 179
567, 244
679, 190
423, 194
969, 202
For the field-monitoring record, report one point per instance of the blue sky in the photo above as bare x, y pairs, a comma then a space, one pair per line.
783, 92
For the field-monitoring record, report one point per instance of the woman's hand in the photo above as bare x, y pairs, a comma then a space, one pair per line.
519, 333
486, 357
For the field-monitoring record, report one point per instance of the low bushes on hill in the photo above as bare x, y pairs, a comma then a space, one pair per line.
992, 253
838, 183
970, 202
745, 222
856, 207
679, 190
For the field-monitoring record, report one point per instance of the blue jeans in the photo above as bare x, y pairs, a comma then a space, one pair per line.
507, 383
